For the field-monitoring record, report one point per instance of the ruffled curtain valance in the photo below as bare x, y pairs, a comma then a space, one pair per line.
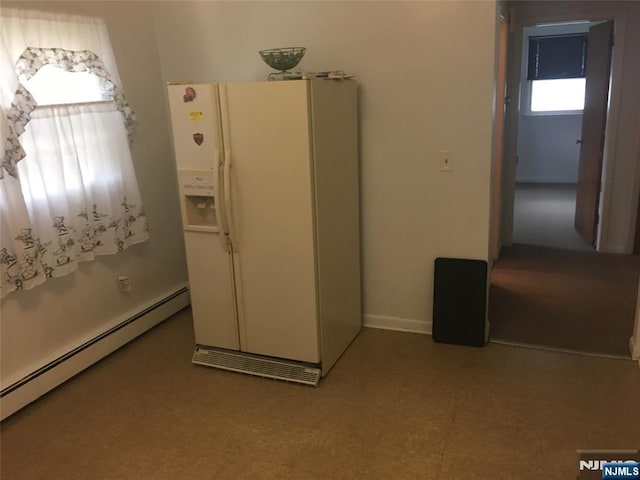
27, 65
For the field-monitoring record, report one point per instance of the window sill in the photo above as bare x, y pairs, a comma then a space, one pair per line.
531, 115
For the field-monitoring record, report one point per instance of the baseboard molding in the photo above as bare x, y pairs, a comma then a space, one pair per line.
634, 341
634, 348
37, 383
398, 324
545, 348
546, 180
604, 247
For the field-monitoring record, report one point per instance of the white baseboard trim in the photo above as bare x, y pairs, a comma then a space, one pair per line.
604, 247
31, 387
545, 348
398, 324
634, 341
634, 348
546, 180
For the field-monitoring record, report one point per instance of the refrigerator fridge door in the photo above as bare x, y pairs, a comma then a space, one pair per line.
195, 120
267, 138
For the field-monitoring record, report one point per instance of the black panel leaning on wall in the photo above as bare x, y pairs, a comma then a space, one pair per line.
459, 301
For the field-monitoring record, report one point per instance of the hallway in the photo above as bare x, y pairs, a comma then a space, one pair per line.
563, 299
543, 215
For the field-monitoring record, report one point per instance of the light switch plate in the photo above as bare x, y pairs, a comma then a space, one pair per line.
446, 161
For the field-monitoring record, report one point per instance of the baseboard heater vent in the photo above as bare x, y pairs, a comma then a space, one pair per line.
67, 356
256, 365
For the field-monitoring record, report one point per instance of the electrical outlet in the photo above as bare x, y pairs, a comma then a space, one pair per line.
124, 283
446, 161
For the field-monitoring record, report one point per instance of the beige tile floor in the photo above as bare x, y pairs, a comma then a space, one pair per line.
396, 406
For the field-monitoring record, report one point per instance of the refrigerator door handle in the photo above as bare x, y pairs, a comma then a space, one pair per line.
227, 194
226, 142
224, 222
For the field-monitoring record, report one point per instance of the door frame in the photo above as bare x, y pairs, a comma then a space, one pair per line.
514, 63
636, 239
498, 153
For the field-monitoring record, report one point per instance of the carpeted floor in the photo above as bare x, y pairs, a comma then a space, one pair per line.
564, 299
543, 215
396, 406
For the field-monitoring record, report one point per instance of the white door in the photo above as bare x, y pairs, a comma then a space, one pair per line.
197, 142
267, 134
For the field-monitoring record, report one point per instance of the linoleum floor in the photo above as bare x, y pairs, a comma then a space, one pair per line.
395, 406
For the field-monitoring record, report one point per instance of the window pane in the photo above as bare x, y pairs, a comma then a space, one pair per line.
52, 86
557, 95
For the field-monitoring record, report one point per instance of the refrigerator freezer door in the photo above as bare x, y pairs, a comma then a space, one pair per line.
197, 143
273, 227
211, 290
195, 125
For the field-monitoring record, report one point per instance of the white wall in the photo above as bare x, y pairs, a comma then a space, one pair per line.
621, 174
39, 325
547, 148
426, 72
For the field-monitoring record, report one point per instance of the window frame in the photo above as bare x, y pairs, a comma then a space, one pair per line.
525, 84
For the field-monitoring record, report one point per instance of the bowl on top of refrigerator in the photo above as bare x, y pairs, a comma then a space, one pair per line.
282, 59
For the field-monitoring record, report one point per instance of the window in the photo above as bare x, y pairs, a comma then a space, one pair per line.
556, 73
562, 95
52, 85
68, 189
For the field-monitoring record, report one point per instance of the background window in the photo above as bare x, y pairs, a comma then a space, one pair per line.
556, 72
52, 85
565, 94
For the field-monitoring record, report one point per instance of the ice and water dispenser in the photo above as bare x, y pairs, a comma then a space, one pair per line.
198, 200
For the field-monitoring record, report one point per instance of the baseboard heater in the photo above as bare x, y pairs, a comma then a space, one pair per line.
256, 365
72, 353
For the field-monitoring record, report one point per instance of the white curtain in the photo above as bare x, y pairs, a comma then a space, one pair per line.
68, 189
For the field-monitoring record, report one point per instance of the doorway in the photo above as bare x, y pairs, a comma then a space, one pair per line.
564, 300
559, 89
541, 295
543, 215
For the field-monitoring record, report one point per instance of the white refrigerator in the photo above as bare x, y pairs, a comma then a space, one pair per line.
268, 179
